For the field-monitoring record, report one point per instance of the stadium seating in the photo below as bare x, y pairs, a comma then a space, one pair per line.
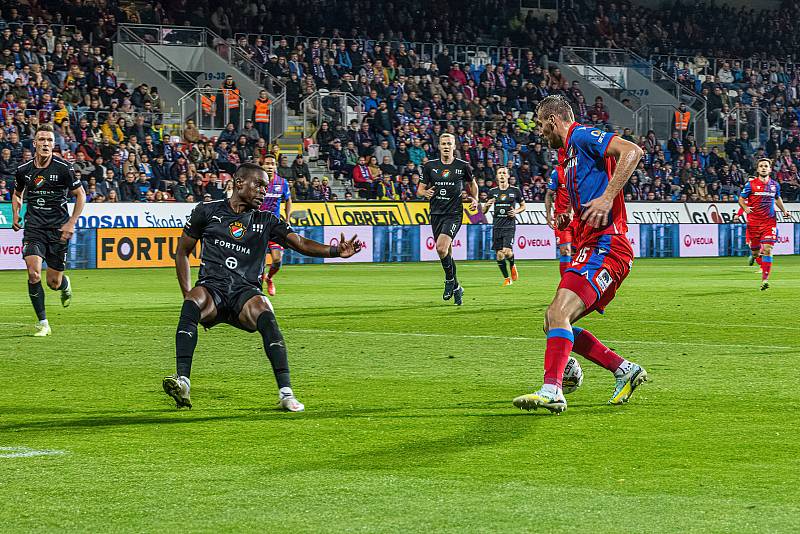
480, 87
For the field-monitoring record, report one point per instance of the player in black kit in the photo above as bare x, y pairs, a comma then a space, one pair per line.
47, 182
235, 237
505, 200
443, 180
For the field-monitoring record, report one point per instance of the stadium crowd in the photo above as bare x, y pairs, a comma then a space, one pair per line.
117, 138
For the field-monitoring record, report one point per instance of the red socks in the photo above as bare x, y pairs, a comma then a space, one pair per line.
593, 350
559, 345
766, 267
274, 268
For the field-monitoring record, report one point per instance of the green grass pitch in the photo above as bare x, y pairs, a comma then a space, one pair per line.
409, 424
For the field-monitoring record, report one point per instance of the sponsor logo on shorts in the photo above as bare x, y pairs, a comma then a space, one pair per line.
603, 280
237, 230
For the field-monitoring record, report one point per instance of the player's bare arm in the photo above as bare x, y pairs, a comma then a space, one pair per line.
488, 204
548, 208
781, 206
186, 245
627, 156
288, 209
16, 208
68, 228
745, 208
309, 247
519, 209
472, 193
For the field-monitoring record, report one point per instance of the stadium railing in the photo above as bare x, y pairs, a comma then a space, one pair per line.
713, 64
333, 107
191, 108
478, 55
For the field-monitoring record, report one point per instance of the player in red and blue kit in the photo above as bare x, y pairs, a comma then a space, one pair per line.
596, 167
560, 219
758, 200
277, 191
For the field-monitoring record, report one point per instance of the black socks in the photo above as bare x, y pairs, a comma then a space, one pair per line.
186, 337
503, 267
449, 266
510, 260
275, 347
64, 284
36, 294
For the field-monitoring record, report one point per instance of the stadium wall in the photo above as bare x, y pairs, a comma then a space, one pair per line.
146, 235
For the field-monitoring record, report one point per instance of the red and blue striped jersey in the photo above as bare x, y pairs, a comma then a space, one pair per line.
277, 191
587, 172
760, 196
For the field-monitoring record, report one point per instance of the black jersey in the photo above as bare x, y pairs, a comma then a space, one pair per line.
234, 244
505, 200
448, 182
47, 192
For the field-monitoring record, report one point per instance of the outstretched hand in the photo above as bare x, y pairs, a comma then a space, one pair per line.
349, 247
429, 193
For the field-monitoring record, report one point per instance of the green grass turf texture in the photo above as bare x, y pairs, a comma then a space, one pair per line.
409, 424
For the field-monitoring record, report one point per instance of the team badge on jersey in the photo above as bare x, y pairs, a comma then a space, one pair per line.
237, 230
38, 182
445, 173
503, 196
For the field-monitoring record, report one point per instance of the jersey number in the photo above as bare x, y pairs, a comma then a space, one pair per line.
582, 254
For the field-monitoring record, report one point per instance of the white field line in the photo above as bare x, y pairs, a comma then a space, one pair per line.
720, 325
26, 452
477, 336
539, 339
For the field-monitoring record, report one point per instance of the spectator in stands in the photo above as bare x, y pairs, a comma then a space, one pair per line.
128, 190
181, 191
191, 134
363, 179
300, 168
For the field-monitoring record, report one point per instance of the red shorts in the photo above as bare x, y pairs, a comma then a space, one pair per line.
758, 234
274, 246
565, 236
598, 270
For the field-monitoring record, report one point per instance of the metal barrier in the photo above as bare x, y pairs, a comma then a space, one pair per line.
629, 59
336, 108
701, 65
477, 55
751, 119
207, 108
148, 55
201, 36
661, 118
278, 117
600, 78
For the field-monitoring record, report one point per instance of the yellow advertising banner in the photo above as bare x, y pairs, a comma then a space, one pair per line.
369, 213
361, 213
311, 214
140, 247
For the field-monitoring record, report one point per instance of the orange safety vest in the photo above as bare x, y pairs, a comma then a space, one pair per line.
682, 121
262, 110
231, 97
208, 103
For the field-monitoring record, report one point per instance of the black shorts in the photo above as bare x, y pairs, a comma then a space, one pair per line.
45, 243
503, 237
229, 296
448, 225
